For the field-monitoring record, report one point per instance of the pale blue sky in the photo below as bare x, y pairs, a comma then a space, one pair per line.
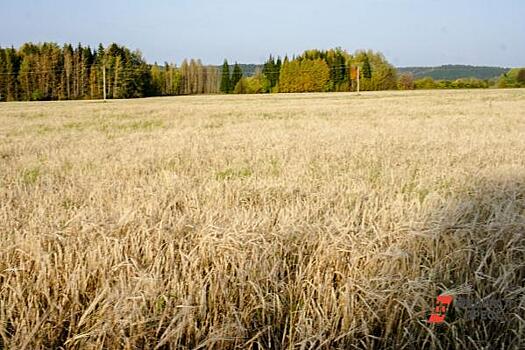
408, 32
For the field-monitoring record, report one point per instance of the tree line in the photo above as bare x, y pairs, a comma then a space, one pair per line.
513, 78
316, 71
48, 71
453, 72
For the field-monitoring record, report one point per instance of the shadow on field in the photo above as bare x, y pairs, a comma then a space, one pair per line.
365, 290
471, 247
315, 286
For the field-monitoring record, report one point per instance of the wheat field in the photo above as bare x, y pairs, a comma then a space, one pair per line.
311, 221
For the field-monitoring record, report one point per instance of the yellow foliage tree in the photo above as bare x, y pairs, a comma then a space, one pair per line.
304, 76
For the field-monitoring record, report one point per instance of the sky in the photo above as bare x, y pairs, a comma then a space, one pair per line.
407, 32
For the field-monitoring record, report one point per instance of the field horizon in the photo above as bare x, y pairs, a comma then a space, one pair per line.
283, 95
297, 221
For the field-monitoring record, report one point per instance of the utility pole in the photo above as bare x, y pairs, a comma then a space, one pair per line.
104, 80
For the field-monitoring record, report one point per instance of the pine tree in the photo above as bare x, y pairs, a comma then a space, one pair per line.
225, 78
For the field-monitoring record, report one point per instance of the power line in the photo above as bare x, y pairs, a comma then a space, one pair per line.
75, 70
81, 73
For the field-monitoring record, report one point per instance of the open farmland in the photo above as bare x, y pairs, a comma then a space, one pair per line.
270, 221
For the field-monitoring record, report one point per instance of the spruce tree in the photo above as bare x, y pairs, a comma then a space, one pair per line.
98, 66
3, 75
277, 70
236, 76
367, 70
157, 79
225, 79
12, 68
269, 71
86, 62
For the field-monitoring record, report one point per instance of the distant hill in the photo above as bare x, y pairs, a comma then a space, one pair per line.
446, 72
249, 69
453, 72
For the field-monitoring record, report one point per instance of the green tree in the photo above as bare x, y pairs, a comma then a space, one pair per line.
96, 73
241, 87
425, 83
512, 79
225, 78
86, 61
520, 78
3, 75
256, 84
271, 71
367, 69
384, 77
336, 60
236, 76
12, 70
278, 66
26, 78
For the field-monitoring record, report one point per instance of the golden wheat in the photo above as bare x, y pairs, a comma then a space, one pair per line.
274, 221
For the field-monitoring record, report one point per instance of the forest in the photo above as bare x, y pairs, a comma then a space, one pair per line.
452, 72
47, 71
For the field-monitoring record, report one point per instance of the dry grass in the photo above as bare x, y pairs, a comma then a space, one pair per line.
289, 221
